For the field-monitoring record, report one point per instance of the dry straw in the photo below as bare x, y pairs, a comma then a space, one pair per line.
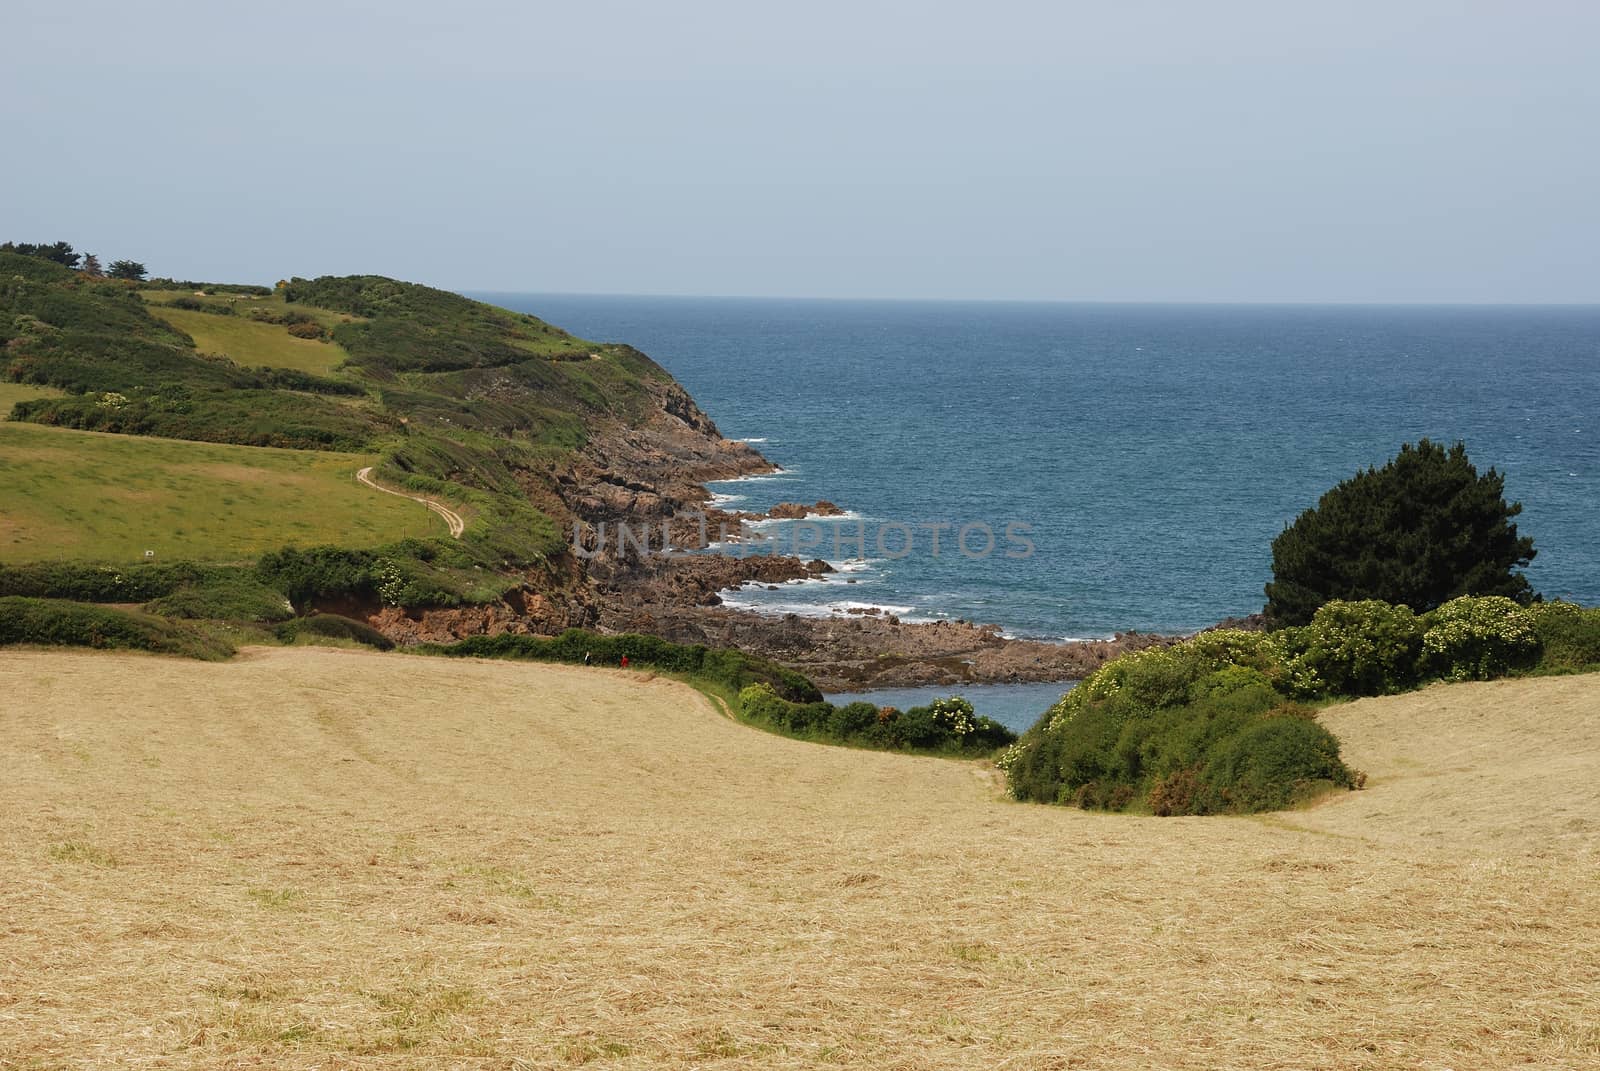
326, 859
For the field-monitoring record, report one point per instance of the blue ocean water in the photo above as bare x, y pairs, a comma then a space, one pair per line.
1153, 451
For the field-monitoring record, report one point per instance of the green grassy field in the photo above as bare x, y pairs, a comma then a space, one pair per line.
250, 342
12, 393
73, 494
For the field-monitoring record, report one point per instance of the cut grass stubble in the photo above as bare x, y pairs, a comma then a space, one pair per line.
406, 862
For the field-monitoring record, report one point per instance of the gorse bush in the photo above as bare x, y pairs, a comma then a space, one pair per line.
1569, 636
1178, 730
1478, 639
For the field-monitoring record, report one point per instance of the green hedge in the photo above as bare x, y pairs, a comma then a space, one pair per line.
945, 726
237, 596
70, 624
1569, 636
88, 582
734, 670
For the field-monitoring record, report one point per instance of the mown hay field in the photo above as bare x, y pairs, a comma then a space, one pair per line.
67, 494
312, 858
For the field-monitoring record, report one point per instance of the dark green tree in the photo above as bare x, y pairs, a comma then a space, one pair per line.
126, 269
1420, 531
60, 252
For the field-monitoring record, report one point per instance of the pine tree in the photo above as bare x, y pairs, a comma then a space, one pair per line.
126, 269
1420, 531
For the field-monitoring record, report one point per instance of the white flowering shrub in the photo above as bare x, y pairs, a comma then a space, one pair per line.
1475, 638
1366, 647
954, 715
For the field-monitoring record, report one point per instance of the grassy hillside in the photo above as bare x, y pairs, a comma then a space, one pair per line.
458, 400
12, 393
315, 858
252, 342
82, 495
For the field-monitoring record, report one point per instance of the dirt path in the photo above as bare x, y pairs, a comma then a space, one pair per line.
451, 517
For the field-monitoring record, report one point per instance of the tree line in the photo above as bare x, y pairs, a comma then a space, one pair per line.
62, 253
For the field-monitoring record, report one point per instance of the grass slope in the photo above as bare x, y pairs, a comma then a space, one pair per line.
252, 343
84, 495
12, 393
313, 858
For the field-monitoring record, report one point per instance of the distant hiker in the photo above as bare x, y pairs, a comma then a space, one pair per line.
586, 656
624, 661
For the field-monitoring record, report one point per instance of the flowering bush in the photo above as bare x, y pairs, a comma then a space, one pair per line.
1479, 638
954, 715
1359, 648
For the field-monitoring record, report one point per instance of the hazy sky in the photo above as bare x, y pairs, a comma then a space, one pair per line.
1117, 150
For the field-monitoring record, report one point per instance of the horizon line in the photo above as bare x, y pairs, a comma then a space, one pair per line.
1234, 303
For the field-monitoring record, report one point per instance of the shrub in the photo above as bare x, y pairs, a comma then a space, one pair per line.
234, 597
1479, 638
88, 582
1180, 792
1569, 636
734, 670
1361, 648
1176, 727
853, 720
71, 624
319, 573
306, 329
1274, 763
945, 725
333, 626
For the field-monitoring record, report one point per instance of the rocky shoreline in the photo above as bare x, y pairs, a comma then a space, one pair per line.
649, 478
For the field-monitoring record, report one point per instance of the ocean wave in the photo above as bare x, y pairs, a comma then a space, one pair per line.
736, 599
779, 473
751, 440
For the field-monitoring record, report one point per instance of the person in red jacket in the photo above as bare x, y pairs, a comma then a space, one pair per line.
624, 661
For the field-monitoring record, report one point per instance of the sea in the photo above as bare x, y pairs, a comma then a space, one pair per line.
1071, 471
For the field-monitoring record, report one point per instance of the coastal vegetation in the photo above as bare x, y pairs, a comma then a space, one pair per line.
1424, 529
58, 623
1399, 576
1227, 721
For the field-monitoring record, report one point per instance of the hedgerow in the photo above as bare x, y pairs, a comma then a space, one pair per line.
946, 726
57, 622
734, 670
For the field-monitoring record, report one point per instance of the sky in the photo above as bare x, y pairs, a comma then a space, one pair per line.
1129, 151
